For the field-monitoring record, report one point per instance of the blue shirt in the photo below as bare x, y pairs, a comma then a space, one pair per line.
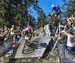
56, 9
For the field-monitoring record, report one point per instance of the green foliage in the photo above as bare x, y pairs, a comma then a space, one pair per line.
70, 7
14, 12
41, 19
17, 13
1, 22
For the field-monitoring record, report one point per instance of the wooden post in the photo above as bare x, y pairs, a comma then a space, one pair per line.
59, 29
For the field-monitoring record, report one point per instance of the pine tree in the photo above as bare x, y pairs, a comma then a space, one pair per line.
3, 8
16, 11
69, 6
41, 18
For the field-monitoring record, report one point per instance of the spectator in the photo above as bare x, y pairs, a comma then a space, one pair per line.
68, 25
1, 37
71, 40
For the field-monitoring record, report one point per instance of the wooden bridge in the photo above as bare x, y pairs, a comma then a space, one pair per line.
38, 52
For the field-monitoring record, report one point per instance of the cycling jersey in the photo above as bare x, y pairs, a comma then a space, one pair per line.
56, 9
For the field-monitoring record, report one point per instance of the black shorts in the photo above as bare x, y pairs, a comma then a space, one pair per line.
58, 13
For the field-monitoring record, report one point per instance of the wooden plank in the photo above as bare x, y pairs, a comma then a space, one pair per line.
44, 41
7, 48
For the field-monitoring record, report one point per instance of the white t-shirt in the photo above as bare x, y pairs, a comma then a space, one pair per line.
69, 43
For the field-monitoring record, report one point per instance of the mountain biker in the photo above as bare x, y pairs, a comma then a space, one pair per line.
56, 10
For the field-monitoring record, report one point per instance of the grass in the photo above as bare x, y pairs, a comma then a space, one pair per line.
51, 58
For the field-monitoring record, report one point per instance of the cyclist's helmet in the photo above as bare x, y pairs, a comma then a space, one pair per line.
52, 6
